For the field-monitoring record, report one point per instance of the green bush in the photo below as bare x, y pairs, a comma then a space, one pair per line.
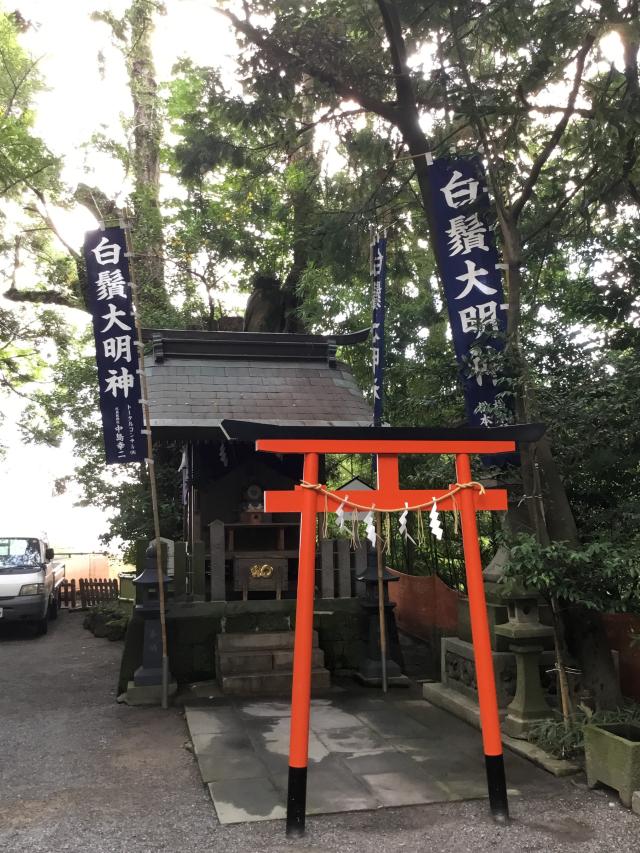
566, 739
596, 575
108, 620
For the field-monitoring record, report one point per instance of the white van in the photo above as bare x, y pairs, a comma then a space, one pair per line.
29, 579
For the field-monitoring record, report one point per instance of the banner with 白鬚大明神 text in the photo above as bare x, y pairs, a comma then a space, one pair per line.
470, 270
111, 305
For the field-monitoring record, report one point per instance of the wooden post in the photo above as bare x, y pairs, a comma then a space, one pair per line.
151, 472
327, 586
180, 570
302, 657
216, 549
485, 677
197, 570
141, 550
360, 563
344, 568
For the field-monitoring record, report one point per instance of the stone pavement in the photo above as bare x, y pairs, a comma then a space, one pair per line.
365, 752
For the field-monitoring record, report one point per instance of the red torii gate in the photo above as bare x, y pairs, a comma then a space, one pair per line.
309, 499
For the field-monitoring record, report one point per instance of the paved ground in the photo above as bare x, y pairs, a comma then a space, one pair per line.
80, 773
365, 752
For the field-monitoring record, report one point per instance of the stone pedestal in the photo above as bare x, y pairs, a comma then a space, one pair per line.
148, 606
526, 636
529, 704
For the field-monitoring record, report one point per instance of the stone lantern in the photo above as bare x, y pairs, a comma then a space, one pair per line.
527, 638
148, 607
370, 670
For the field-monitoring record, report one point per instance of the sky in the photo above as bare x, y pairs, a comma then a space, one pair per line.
77, 104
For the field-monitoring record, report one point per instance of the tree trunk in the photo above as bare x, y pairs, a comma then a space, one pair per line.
587, 643
147, 233
302, 203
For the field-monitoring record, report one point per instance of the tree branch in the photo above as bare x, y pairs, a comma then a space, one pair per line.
44, 297
284, 57
560, 207
554, 139
48, 221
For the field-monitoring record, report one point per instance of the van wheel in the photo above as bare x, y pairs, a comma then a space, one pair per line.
42, 626
53, 608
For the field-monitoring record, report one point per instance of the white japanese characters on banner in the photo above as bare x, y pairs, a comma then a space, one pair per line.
470, 270
111, 305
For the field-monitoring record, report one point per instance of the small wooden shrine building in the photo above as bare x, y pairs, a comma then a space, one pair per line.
196, 380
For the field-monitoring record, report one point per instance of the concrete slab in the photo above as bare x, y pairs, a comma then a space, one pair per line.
359, 740
418, 749
241, 801
274, 751
332, 788
387, 761
205, 721
327, 716
389, 724
365, 752
214, 768
220, 744
402, 789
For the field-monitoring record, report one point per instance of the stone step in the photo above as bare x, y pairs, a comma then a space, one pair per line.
260, 660
258, 640
284, 660
270, 683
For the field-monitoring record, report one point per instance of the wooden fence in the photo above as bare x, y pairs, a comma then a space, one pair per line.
88, 593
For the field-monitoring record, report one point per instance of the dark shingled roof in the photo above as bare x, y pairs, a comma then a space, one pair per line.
198, 379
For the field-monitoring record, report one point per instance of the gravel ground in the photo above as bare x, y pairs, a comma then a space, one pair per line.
79, 772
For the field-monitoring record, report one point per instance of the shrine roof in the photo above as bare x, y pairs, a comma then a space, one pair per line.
197, 379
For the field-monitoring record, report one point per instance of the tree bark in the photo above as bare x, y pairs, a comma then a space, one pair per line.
147, 225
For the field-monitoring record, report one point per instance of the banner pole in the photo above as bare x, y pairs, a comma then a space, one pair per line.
378, 279
151, 468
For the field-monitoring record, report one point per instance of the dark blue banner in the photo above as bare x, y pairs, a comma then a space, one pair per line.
111, 305
379, 275
470, 271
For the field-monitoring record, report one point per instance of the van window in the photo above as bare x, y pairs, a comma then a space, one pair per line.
16, 553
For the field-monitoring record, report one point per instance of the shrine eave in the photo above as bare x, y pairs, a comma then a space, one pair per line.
324, 439
266, 346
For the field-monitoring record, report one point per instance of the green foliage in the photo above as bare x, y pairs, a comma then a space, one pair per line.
598, 575
565, 739
24, 159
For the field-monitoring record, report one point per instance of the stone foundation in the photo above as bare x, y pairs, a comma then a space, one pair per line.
192, 629
459, 670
